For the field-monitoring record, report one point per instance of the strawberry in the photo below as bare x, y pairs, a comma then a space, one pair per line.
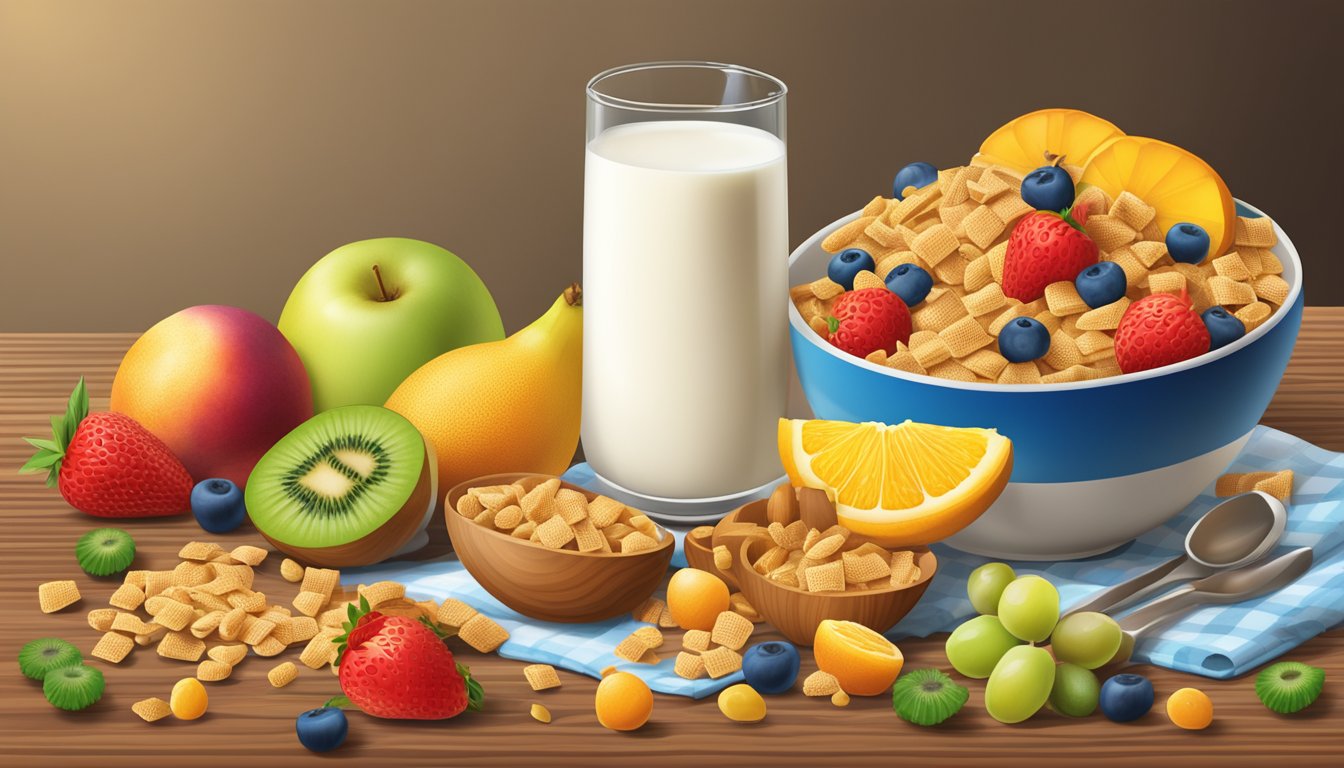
1045, 248
398, 667
1157, 330
108, 465
867, 320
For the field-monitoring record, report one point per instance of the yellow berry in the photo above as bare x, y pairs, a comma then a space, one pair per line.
189, 699
742, 703
624, 702
1190, 708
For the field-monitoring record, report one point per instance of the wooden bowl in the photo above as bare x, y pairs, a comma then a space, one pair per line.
553, 584
797, 613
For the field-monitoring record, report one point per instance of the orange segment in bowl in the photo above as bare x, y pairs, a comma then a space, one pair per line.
1181, 186
863, 661
1022, 142
906, 484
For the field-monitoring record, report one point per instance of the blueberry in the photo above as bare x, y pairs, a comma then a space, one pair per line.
1126, 697
1224, 327
771, 667
1187, 243
1023, 340
915, 175
1101, 283
322, 729
910, 282
1048, 188
218, 505
848, 263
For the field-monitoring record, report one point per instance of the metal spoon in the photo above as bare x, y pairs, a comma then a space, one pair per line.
1225, 587
1233, 533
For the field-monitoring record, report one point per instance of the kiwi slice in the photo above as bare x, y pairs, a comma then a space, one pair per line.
927, 697
73, 688
105, 551
348, 487
41, 656
1289, 686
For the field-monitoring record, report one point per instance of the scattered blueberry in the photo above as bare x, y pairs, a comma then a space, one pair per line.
1126, 697
1224, 327
910, 282
1187, 243
915, 175
218, 505
848, 263
1101, 283
771, 667
1024, 340
1048, 188
322, 729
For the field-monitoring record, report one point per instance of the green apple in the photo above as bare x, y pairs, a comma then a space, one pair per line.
369, 313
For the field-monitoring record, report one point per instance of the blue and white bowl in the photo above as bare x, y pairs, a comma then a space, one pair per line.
1096, 463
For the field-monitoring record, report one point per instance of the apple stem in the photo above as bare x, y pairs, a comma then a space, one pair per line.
574, 295
382, 291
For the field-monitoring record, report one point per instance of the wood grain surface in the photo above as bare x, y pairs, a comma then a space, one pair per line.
249, 723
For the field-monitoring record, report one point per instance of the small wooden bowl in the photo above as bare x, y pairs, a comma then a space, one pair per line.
700, 554
797, 613
553, 584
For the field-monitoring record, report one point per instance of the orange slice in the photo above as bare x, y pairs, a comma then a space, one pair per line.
1023, 142
863, 661
902, 485
1181, 186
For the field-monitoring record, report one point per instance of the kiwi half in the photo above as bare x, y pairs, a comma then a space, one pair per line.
348, 487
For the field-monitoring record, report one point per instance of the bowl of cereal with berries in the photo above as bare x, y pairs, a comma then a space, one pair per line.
1101, 299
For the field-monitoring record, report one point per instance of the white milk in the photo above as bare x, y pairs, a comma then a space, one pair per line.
685, 298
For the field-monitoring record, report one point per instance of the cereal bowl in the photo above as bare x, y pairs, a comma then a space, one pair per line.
1096, 463
553, 584
796, 613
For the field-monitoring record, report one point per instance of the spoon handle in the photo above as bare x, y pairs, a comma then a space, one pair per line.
1127, 592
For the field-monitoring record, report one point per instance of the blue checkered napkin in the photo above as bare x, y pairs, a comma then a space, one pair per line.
1215, 641
584, 648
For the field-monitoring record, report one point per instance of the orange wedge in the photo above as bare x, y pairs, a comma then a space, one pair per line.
907, 484
863, 661
1181, 186
1023, 142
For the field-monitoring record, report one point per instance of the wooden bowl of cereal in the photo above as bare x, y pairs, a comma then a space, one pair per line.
592, 557
862, 582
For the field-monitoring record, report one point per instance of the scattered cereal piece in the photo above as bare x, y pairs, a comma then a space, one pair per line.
649, 610
320, 650
249, 555
320, 580
181, 646
741, 606
55, 595
541, 676
820, 684
113, 647
695, 640
731, 630
482, 633
721, 661
689, 666
291, 571
210, 671
840, 699
101, 618
229, 654
540, 713
282, 674
607, 670
200, 551
151, 709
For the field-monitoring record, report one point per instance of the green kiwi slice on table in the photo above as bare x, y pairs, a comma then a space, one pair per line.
105, 551
1289, 686
43, 655
350, 486
73, 688
927, 697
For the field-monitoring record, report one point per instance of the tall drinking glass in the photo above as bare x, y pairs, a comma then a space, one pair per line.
685, 270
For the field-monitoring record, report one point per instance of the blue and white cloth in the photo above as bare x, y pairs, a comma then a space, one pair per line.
1215, 641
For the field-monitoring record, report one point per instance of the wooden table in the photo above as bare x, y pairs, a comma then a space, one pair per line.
251, 724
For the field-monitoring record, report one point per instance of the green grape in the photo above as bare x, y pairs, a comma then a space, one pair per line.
977, 645
1087, 639
1076, 691
985, 586
1020, 684
1029, 608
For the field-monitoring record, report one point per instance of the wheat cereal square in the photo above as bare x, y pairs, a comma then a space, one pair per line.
731, 630
820, 684
1255, 232
827, 577
55, 595
689, 666
113, 647
695, 640
721, 661
482, 633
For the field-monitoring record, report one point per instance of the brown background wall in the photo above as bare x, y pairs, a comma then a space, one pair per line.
156, 155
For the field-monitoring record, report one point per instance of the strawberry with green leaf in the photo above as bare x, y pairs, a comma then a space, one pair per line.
399, 667
109, 465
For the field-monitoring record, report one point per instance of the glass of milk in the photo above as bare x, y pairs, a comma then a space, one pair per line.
685, 274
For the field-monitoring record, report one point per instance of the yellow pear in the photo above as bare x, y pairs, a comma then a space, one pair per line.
503, 406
